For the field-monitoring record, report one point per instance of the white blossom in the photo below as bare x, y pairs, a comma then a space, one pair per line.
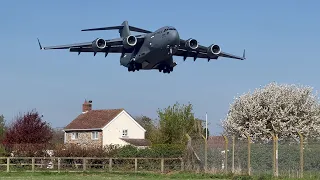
281, 109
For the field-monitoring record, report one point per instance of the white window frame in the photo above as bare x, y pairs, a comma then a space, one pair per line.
124, 132
74, 135
94, 135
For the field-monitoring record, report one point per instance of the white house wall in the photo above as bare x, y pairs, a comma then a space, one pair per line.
113, 131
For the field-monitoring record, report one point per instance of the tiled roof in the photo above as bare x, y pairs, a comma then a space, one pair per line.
137, 142
216, 142
93, 119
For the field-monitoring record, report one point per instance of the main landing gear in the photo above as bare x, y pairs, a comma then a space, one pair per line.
133, 66
165, 69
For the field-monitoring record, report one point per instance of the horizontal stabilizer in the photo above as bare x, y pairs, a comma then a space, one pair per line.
131, 28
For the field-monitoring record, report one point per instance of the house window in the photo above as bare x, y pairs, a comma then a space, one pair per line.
74, 135
94, 135
125, 132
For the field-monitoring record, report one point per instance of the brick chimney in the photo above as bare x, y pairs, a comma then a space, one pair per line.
86, 106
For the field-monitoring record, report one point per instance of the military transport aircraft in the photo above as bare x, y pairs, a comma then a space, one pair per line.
150, 50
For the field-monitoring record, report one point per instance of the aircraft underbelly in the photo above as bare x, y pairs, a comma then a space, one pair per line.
152, 52
156, 57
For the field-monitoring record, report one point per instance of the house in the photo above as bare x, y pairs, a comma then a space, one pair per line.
104, 127
216, 142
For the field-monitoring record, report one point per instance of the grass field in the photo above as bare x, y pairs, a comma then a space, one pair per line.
124, 176
99, 176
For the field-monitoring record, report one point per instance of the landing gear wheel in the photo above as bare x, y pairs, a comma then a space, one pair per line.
138, 66
133, 66
166, 69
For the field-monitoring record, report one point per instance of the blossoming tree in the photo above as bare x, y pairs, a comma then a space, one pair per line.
280, 109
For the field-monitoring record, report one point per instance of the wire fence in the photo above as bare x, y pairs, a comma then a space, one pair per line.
289, 158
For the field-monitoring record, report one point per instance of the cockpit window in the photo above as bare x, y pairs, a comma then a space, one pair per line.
169, 29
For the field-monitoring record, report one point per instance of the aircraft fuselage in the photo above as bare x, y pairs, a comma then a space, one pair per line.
151, 50
157, 49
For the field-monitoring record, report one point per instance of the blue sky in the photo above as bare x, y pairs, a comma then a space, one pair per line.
281, 39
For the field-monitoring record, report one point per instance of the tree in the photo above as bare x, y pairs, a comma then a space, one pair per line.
204, 133
28, 128
147, 124
175, 122
2, 134
280, 109
199, 129
57, 136
2, 128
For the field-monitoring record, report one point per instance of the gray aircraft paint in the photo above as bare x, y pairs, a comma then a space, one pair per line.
153, 50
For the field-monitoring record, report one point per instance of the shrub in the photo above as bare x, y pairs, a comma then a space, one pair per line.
73, 150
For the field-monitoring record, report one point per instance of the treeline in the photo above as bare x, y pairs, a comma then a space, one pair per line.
30, 135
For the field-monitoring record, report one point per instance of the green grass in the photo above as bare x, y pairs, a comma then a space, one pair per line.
126, 176
99, 176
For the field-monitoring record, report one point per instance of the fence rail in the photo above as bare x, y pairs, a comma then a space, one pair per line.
81, 164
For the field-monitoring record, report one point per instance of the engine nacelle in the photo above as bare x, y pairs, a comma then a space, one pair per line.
129, 42
214, 49
99, 44
191, 44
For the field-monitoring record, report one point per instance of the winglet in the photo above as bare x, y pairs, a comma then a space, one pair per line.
244, 54
39, 44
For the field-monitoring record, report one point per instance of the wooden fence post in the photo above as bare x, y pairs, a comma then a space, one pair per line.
275, 154
135, 164
110, 164
33, 161
249, 154
8, 164
233, 143
226, 153
276, 163
162, 165
182, 164
84, 164
59, 159
301, 155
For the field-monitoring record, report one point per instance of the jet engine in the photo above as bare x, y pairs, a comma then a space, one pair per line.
99, 44
214, 49
129, 42
191, 44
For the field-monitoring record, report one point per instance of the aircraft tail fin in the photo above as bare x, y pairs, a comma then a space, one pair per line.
40, 46
244, 54
124, 29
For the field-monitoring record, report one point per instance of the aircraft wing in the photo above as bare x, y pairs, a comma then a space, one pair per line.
194, 54
202, 52
88, 45
111, 49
